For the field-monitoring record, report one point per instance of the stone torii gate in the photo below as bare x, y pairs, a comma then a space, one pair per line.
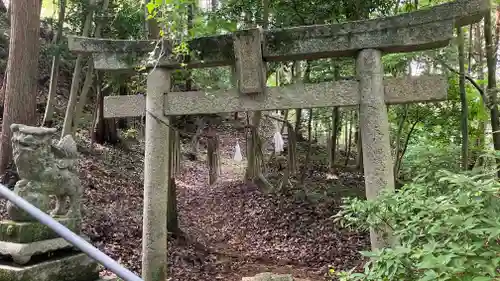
248, 51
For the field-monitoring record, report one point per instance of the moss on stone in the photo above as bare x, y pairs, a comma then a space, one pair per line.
28, 232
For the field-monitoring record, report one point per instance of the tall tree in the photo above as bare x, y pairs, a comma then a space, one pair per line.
56, 60
89, 76
75, 83
478, 41
20, 89
463, 100
491, 59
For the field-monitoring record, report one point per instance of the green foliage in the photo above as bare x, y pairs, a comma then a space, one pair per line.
425, 159
130, 133
76, 11
447, 225
125, 20
175, 19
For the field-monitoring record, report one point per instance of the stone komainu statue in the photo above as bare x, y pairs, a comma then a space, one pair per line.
45, 168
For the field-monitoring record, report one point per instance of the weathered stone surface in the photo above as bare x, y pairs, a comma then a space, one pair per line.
340, 93
121, 61
156, 165
411, 89
21, 253
124, 106
45, 168
77, 267
210, 48
267, 276
79, 44
293, 96
419, 30
28, 232
249, 64
374, 127
315, 42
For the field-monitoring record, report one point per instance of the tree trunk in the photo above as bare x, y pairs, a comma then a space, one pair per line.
54, 73
359, 159
98, 122
89, 76
190, 16
255, 167
255, 155
2, 90
296, 73
123, 91
470, 49
335, 124
214, 4
357, 140
480, 141
334, 136
349, 139
285, 117
463, 100
397, 141
172, 214
492, 83
298, 121
75, 83
104, 130
316, 130
177, 153
305, 168
152, 28
213, 158
200, 124
20, 90
345, 131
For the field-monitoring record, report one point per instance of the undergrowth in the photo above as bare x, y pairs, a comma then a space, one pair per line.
447, 225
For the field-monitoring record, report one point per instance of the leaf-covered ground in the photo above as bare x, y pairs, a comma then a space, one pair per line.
229, 229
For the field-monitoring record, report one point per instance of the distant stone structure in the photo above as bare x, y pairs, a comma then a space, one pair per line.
29, 250
249, 51
267, 276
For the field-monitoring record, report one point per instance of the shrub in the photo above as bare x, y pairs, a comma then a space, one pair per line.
425, 159
447, 226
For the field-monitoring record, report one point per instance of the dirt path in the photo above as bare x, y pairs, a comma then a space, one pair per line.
262, 231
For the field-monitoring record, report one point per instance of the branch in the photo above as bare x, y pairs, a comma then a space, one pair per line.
471, 80
279, 120
302, 20
161, 120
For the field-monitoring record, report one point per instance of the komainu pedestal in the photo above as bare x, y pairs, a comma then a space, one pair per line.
29, 250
